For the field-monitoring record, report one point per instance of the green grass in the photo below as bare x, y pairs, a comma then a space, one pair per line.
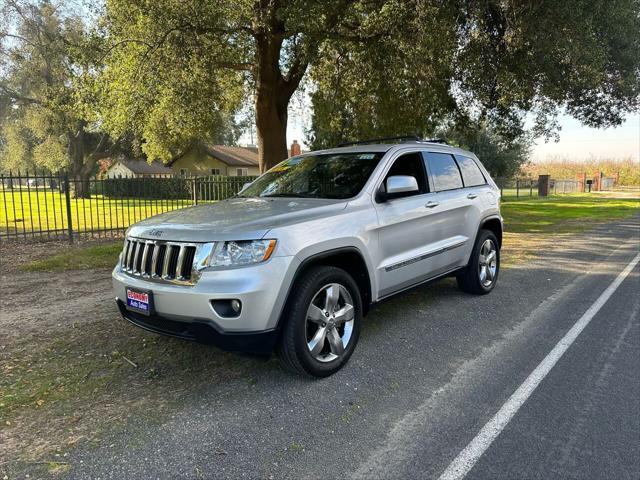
565, 213
78, 258
41, 210
519, 193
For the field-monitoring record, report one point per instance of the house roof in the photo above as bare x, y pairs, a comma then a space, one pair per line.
233, 156
141, 167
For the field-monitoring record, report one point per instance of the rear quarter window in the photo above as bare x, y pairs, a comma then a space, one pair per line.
471, 173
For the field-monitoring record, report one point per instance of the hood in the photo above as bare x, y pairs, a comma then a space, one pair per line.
233, 219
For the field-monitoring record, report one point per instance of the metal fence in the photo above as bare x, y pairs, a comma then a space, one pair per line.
45, 205
517, 187
565, 186
528, 187
607, 183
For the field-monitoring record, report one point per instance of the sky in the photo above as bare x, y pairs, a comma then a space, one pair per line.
577, 142
580, 142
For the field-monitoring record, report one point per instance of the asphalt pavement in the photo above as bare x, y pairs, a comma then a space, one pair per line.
431, 369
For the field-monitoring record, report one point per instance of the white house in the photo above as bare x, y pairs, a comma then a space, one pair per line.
137, 168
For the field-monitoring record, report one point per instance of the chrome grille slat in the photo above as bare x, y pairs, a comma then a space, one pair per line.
167, 260
151, 248
164, 261
132, 247
178, 273
136, 258
154, 261
172, 261
125, 250
143, 263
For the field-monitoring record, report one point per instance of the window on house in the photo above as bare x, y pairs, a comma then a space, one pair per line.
242, 172
184, 172
215, 171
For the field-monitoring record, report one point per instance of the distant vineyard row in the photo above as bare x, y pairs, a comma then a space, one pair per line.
627, 169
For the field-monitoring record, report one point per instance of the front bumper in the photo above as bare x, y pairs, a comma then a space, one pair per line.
202, 331
185, 310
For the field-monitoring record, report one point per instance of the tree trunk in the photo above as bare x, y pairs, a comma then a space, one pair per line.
81, 165
271, 126
273, 93
82, 186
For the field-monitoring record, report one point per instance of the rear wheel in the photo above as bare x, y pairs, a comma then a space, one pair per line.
322, 322
481, 274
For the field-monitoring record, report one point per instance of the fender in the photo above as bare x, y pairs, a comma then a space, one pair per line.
322, 255
493, 216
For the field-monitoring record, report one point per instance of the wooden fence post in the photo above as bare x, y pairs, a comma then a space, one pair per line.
67, 196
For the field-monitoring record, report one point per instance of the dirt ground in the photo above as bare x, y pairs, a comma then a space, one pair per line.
71, 367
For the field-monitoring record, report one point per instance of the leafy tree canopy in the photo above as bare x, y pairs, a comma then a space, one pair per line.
179, 68
503, 157
47, 95
490, 63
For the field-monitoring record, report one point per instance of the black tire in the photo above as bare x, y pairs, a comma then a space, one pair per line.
469, 280
292, 348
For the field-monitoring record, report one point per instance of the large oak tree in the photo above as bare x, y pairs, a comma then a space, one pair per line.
177, 67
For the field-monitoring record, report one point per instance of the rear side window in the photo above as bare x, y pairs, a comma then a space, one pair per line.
444, 171
471, 173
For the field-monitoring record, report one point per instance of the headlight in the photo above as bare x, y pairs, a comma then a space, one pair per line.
243, 252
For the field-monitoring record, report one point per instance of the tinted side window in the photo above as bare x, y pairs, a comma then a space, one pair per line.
471, 173
410, 164
443, 171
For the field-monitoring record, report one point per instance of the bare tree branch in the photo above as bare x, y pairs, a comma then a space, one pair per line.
14, 95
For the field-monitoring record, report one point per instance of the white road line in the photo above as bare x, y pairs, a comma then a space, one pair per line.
468, 457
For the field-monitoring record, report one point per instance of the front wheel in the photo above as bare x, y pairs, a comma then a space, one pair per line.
322, 322
481, 274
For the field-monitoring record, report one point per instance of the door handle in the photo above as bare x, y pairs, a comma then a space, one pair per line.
432, 204
471, 196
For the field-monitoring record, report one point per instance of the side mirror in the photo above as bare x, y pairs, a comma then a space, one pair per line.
244, 187
401, 184
398, 186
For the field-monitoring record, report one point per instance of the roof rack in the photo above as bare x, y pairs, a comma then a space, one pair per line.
413, 138
400, 139
435, 140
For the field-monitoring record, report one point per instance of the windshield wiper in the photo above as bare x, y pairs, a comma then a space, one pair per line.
291, 195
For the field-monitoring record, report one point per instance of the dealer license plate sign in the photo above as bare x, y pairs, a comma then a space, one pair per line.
140, 301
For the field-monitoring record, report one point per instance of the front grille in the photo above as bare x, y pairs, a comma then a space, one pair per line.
160, 261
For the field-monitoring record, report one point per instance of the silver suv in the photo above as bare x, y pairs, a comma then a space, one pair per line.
300, 255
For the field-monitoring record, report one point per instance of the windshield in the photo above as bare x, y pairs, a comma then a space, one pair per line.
338, 175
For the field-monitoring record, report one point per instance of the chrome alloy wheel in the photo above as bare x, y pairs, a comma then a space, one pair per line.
488, 264
329, 322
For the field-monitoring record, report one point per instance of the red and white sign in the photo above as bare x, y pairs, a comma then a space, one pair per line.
140, 297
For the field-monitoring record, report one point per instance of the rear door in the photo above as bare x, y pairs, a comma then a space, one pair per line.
457, 205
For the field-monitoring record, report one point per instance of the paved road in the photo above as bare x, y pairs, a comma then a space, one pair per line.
431, 369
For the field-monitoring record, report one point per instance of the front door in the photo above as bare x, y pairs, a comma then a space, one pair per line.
408, 230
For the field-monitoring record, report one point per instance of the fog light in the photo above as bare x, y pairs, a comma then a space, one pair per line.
236, 306
227, 308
